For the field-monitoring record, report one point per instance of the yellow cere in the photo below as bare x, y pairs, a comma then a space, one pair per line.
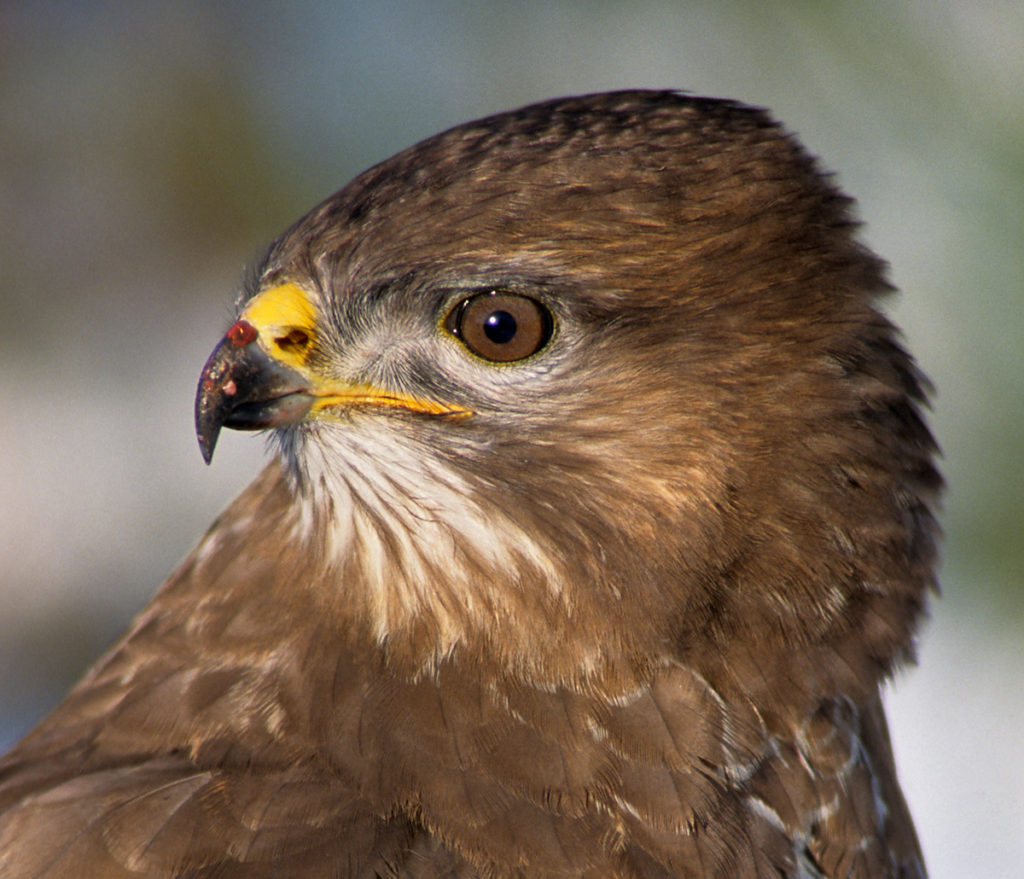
280, 314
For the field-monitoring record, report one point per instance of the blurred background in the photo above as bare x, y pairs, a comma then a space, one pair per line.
148, 152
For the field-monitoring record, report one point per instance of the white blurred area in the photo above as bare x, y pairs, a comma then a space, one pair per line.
147, 152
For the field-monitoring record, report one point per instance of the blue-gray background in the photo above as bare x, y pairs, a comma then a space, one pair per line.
148, 151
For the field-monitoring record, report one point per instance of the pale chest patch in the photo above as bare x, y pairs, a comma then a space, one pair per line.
411, 529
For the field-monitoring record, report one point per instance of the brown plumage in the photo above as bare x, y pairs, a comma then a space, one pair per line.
597, 576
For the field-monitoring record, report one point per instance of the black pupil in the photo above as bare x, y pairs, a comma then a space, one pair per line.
500, 327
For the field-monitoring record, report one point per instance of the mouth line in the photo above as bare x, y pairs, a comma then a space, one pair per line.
293, 406
357, 397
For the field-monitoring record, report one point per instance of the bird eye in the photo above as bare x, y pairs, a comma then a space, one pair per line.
500, 327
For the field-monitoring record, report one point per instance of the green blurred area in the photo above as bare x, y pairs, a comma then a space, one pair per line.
149, 151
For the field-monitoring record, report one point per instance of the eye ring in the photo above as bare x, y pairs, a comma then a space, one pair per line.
500, 326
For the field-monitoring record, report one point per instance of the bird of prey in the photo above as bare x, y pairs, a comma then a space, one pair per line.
601, 509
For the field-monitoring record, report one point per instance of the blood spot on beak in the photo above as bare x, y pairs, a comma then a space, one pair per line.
242, 333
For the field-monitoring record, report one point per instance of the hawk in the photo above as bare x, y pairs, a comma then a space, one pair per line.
602, 508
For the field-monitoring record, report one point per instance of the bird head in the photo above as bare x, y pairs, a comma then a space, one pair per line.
588, 383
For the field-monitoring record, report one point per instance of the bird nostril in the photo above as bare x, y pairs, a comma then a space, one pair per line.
296, 340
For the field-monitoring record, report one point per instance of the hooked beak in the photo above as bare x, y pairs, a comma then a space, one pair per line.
244, 388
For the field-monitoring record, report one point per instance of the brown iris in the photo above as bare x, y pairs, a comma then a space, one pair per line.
501, 327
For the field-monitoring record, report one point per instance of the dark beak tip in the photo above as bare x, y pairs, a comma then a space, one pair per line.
206, 446
208, 405
207, 431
